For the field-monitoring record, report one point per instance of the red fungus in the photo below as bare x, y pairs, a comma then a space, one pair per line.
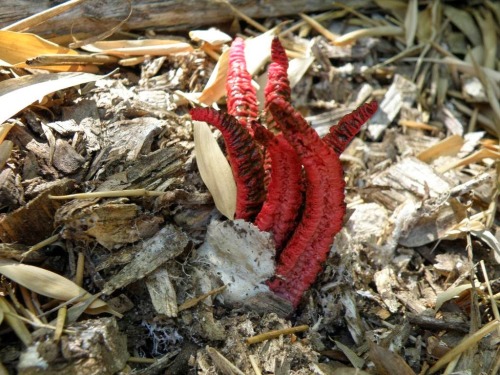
301, 260
342, 134
284, 193
241, 95
244, 157
277, 80
298, 146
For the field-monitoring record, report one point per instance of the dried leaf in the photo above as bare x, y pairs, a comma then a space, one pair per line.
211, 36
387, 362
44, 282
124, 48
214, 169
216, 85
16, 48
355, 360
18, 93
297, 68
487, 237
257, 52
446, 147
449, 294
378, 31
464, 21
411, 22
4, 130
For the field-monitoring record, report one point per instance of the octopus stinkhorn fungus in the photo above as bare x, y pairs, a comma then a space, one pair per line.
300, 161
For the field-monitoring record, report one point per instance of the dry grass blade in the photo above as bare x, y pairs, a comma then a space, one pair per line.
14, 322
319, 28
411, 22
355, 360
473, 158
449, 294
18, 93
214, 169
378, 31
446, 147
16, 48
489, 31
125, 48
61, 320
465, 23
45, 282
194, 301
464, 345
275, 334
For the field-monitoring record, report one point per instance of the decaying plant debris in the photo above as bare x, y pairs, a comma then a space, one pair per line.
108, 229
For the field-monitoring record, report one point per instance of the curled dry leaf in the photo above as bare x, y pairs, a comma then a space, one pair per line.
16, 48
45, 282
18, 93
214, 169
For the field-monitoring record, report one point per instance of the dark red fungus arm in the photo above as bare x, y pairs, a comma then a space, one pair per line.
342, 134
278, 84
244, 157
284, 192
241, 95
301, 260
277, 75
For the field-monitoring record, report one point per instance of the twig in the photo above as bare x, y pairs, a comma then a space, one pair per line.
274, 334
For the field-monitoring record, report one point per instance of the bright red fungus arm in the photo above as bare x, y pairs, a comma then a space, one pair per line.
301, 260
342, 134
278, 84
241, 95
244, 157
284, 192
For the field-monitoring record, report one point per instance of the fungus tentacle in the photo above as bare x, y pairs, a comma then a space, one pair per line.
241, 95
244, 157
342, 134
301, 260
284, 192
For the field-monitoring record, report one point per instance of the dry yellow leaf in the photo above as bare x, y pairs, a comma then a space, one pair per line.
18, 93
446, 147
124, 48
216, 85
16, 48
214, 169
45, 282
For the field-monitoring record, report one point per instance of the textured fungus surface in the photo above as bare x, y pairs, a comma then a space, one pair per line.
301, 260
295, 150
244, 157
342, 134
241, 95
